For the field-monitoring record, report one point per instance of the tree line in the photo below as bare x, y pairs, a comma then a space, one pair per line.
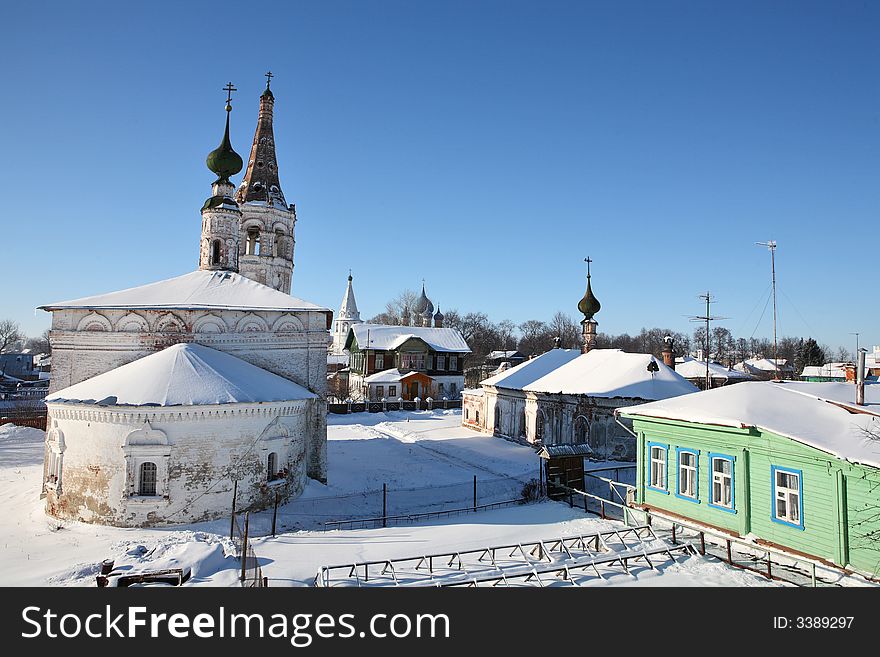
535, 336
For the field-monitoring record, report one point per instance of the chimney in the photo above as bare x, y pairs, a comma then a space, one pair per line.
860, 378
668, 357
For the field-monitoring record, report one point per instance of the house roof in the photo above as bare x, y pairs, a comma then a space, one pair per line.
183, 375
691, 368
528, 372
800, 411
504, 354
606, 373
392, 376
388, 338
221, 290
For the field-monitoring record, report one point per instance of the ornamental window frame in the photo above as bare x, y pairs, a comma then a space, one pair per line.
146, 445
660, 483
714, 479
691, 475
785, 493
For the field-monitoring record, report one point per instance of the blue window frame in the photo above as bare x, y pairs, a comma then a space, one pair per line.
788, 496
688, 474
722, 487
657, 467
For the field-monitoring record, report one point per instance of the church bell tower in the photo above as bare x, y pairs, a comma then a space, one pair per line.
221, 217
267, 224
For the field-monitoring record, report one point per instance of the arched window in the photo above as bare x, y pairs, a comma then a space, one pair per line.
215, 252
581, 430
147, 479
272, 467
498, 419
252, 245
539, 425
279, 244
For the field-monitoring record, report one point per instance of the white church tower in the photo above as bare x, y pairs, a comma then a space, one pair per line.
221, 217
347, 316
267, 224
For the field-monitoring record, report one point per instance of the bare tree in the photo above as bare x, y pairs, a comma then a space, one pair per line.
535, 337
563, 327
506, 330
10, 335
398, 310
40, 344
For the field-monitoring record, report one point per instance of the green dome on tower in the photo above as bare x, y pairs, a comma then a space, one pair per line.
223, 160
589, 305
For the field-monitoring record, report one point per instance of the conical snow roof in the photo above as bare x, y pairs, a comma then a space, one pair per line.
183, 375
349, 310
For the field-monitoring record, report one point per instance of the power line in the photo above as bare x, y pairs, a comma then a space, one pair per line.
708, 298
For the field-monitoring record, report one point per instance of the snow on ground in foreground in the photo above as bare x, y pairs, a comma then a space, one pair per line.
404, 450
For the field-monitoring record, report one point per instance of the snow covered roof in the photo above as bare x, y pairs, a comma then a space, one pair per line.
794, 410
348, 309
473, 392
604, 373
837, 370
504, 354
196, 290
763, 365
385, 376
528, 372
183, 375
690, 368
391, 337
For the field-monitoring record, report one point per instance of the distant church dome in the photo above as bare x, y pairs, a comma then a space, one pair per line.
423, 306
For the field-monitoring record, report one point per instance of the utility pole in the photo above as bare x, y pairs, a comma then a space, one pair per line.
708, 298
857, 344
771, 244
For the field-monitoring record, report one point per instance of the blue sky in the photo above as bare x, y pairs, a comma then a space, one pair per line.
485, 146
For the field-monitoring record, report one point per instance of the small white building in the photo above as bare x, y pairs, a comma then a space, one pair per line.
566, 397
164, 438
695, 371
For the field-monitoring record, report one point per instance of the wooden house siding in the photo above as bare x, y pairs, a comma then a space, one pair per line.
840, 500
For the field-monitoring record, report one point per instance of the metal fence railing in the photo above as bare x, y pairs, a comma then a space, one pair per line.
251, 572
772, 563
390, 505
343, 408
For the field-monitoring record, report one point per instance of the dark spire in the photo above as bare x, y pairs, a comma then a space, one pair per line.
223, 160
261, 181
589, 305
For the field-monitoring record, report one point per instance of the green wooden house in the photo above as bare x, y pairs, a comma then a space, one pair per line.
792, 465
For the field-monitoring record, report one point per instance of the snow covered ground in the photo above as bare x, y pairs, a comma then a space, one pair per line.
427, 460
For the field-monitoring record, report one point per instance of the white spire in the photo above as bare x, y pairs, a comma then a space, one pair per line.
349, 310
348, 315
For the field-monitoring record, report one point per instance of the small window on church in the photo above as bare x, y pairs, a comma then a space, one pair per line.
215, 252
252, 244
272, 467
147, 479
279, 244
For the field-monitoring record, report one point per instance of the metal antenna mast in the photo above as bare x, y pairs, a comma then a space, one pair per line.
857, 343
771, 244
708, 317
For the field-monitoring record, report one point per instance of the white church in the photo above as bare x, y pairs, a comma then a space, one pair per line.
165, 398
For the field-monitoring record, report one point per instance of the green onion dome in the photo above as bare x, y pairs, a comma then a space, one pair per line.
223, 160
589, 305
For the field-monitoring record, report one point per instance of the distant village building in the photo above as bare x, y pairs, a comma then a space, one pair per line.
564, 400
408, 362
19, 365
826, 372
790, 465
695, 372
765, 369
163, 395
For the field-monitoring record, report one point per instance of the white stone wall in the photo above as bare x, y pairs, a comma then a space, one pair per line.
606, 437
86, 343
199, 451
